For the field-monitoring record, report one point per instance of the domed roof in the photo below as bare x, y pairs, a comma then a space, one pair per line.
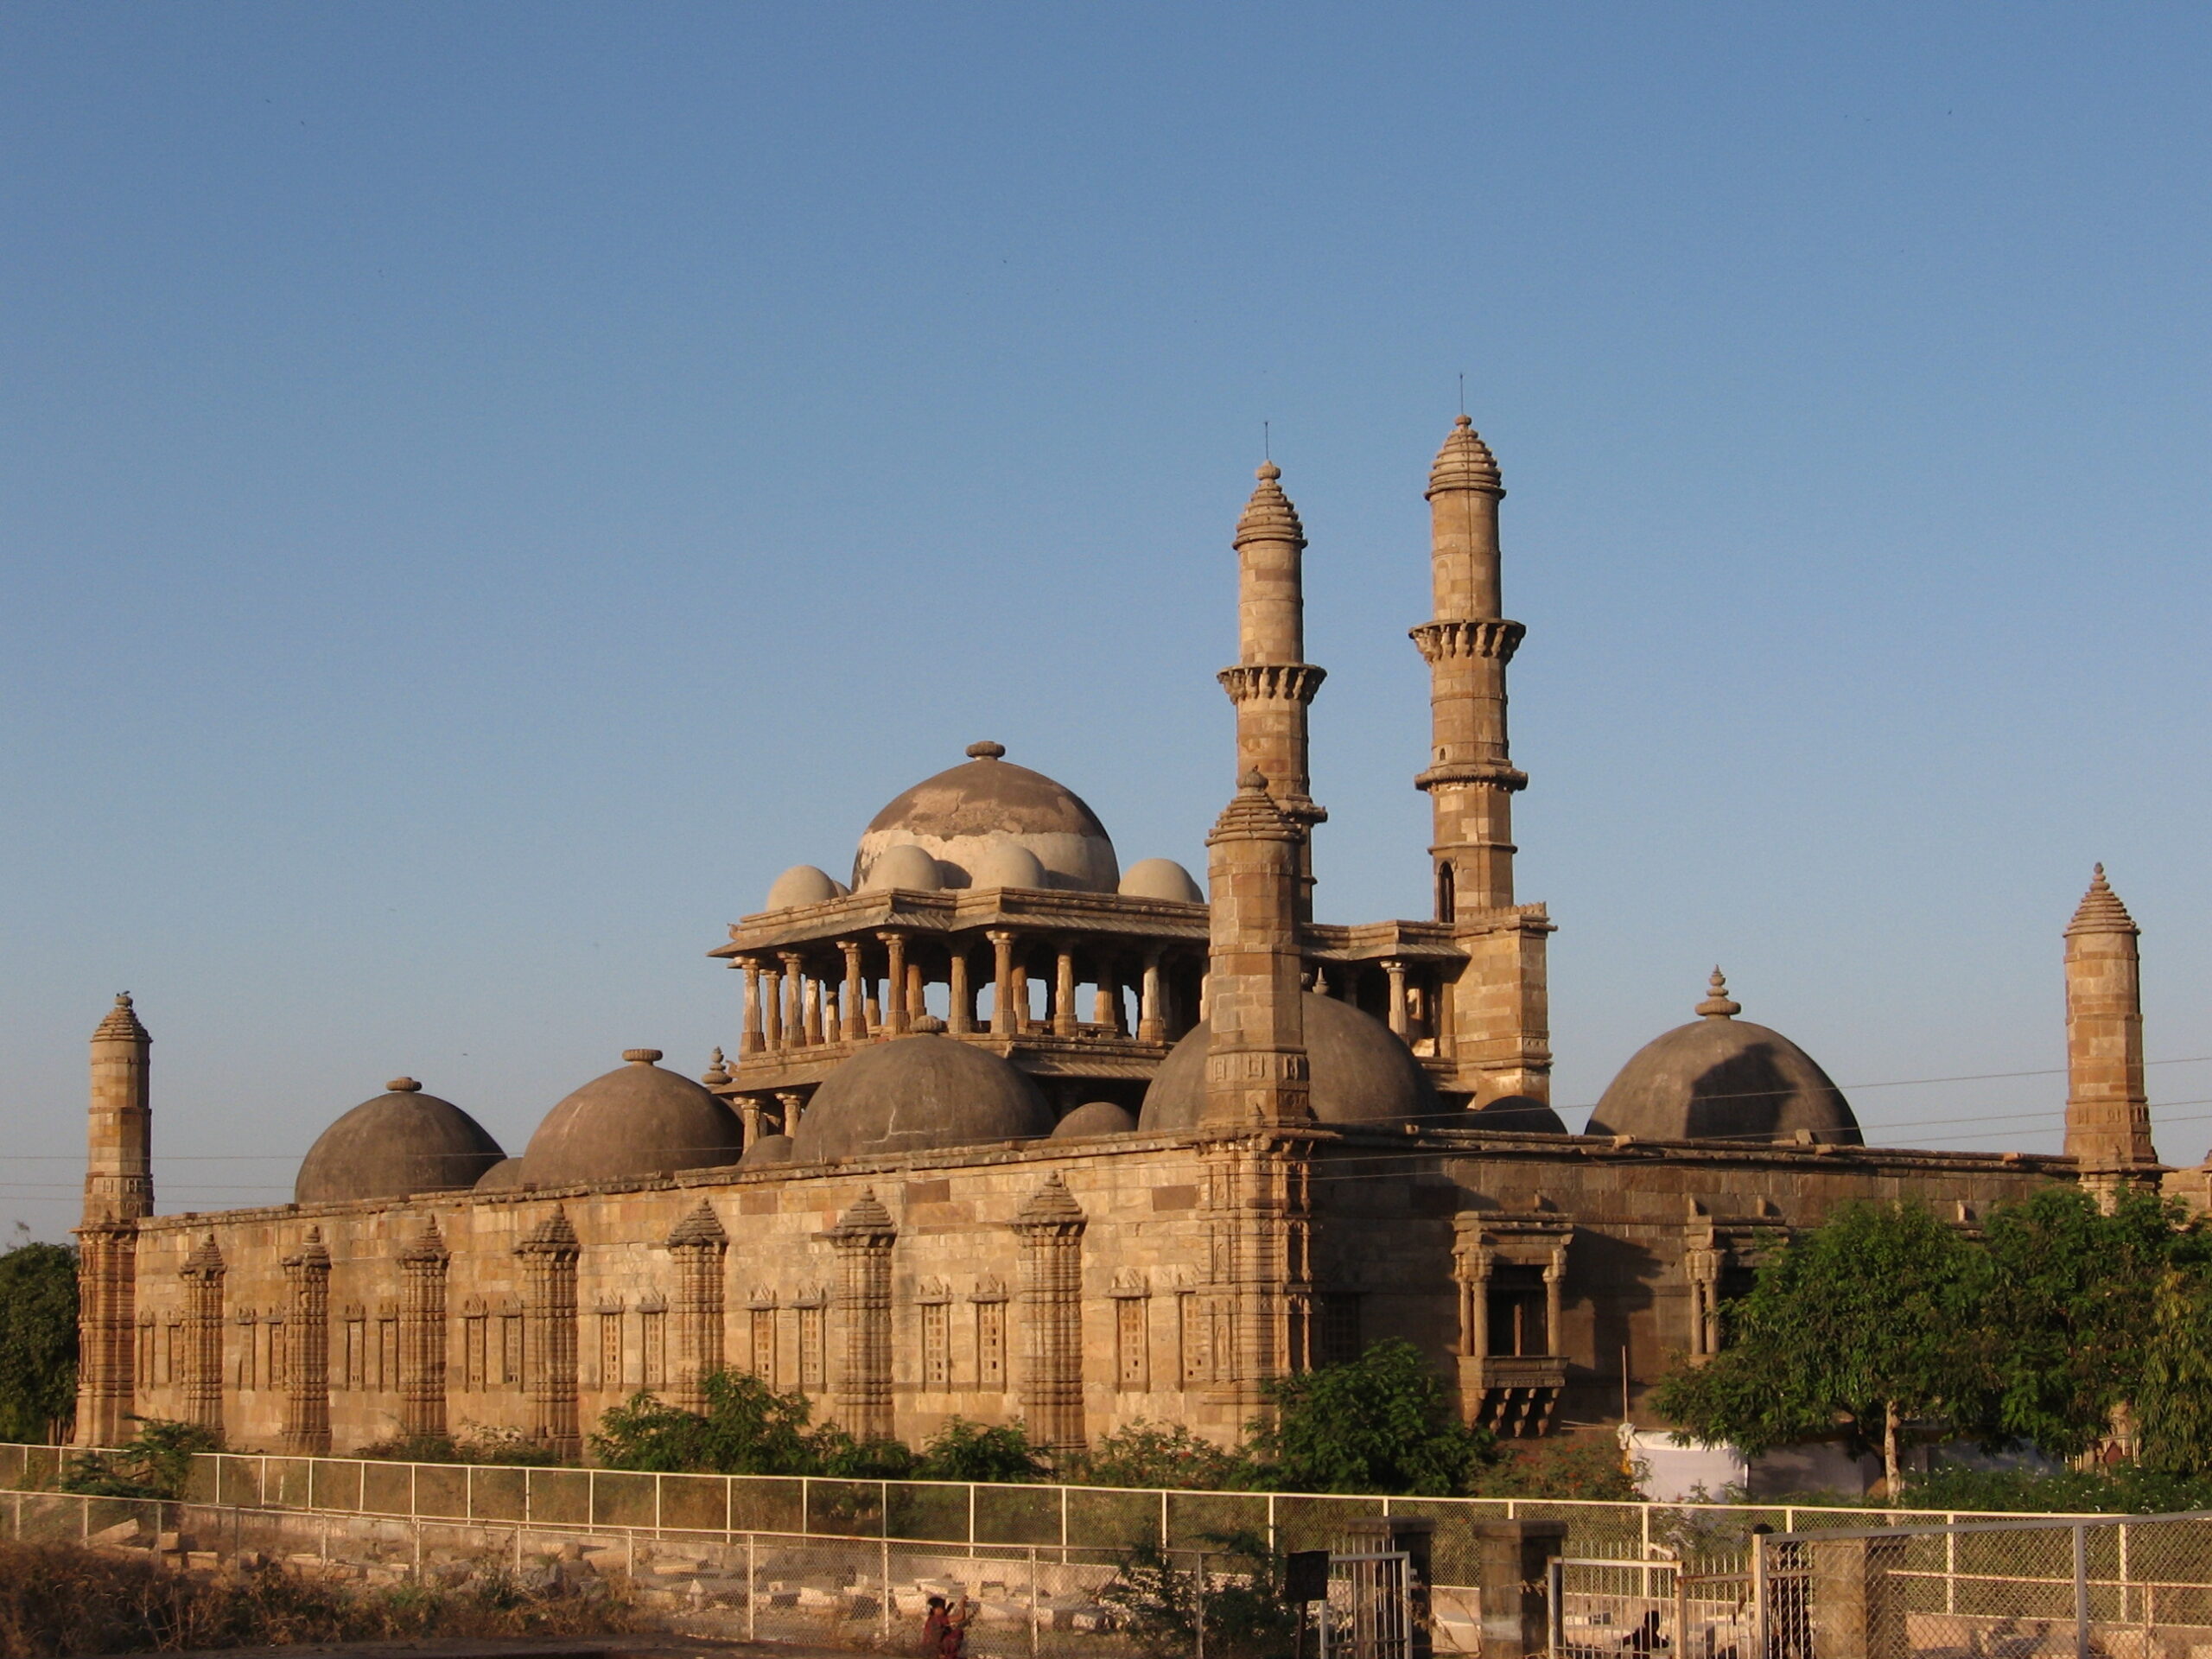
402, 1141
506, 1176
768, 1149
1361, 1073
959, 815
636, 1121
1514, 1115
1161, 878
904, 865
1095, 1117
1722, 1079
801, 883
915, 1094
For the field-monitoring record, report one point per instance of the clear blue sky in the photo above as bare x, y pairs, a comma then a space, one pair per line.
484, 487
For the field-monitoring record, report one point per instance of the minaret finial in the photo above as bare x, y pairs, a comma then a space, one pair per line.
1718, 1004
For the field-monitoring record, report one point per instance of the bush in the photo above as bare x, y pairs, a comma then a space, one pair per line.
154, 1463
1383, 1423
2123, 1488
475, 1443
1238, 1597
965, 1451
64, 1598
747, 1429
1153, 1454
1582, 1466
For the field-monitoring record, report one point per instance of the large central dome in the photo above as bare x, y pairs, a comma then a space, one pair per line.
976, 820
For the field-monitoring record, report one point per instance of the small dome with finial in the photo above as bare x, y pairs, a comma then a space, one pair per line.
402, 1141
1718, 1004
1464, 462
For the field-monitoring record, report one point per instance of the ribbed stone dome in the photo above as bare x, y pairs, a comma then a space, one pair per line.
1362, 1073
1723, 1078
916, 1094
402, 1141
960, 815
636, 1121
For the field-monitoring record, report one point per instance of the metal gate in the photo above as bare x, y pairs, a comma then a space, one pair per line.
1369, 1612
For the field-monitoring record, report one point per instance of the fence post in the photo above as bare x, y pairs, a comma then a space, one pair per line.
1761, 1642
1198, 1616
1555, 1606
2080, 1591
752, 1586
1032, 1581
883, 1613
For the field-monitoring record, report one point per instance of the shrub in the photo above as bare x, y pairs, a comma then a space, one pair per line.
1582, 1465
1155, 1454
154, 1463
1383, 1423
965, 1451
475, 1443
1162, 1601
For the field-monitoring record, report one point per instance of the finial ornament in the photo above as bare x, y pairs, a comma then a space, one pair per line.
986, 750
2101, 910
1718, 1004
403, 1086
1252, 777
717, 1070
1464, 462
641, 1056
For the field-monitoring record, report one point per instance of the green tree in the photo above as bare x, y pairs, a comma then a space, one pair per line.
1383, 1423
965, 1451
2173, 1405
38, 1338
747, 1428
155, 1462
1862, 1323
1153, 1455
2069, 1297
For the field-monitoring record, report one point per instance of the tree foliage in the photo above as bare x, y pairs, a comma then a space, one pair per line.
1860, 1325
155, 1462
1231, 1587
1153, 1455
1383, 1423
38, 1338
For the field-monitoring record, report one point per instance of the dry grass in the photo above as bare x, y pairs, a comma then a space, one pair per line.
57, 1598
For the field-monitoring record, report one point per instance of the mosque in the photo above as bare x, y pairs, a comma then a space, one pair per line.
1168, 1139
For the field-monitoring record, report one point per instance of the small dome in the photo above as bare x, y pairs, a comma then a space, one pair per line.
1095, 1117
1006, 864
506, 1176
636, 1121
768, 1149
904, 865
1514, 1115
960, 815
803, 884
1361, 1073
1161, 878
1722, 1079
916, 1094
402, 1141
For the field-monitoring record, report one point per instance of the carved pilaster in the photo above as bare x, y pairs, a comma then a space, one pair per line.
699, 1245
307, 1348
422, 1267
549, 1253
203, 1336
862, 1238
1259, 1292
1051, 1225
107, 1329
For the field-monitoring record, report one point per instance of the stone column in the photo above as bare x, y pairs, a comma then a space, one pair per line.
307, 1348
960, 1009
897, 1013
772, 1005
862, 1238
794, 1001
699, 1245
1256, 1069
1396, 971
753, 1038
1051, 1225
1701, 1265
1152, 1019
748, 1118
549, 1253
422, 1335
1064, 1019
203, 1356
792, 1103
1273, 685
118, 1191
2108, 1113
1004, 1021
854, 1027
1554, 1278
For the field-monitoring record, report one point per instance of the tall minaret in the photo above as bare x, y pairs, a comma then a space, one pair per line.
1273, 684
1470, 780
118, 1192
1497, 1024
2107, 1112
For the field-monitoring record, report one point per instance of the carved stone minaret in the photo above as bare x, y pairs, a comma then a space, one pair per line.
1272, 684
1256, 1071
700, 1245
307, 1348
549, 1253
422, 1335
2107, 1112
862, 1238
203, 1336
118, 1191
1499, 1011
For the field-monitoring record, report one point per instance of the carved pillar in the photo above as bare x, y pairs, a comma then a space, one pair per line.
862, 1238
772, 1005
1555, 1276
549, 1253
1702, 1264
898, 1015
699, 1245
794, 1001
107, 1329
1396, 971
792, 1103
1152, 1017
1106, 1006
854, 1027
819, 1029
1064, 1019
422, 1335
1051, 1225
1004, 1021
307, 1348
203, 1325
748, 1117
753, 1038
961, 999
